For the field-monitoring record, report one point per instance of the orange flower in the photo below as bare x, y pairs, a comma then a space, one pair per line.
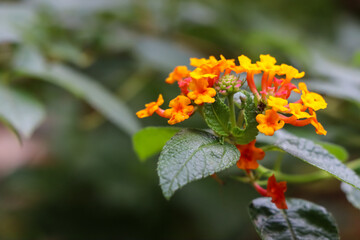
200, 91
269, 123
319, 128
251, 69
199, 62
208, 66
179, 73
276, 192
227, 65
150, 108
180, 110
249, 155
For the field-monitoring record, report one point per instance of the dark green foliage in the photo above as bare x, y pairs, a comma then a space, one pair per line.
250, 131
217, 116
191, 155
302, 220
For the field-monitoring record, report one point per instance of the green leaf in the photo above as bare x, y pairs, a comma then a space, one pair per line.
29, 62
191, 155
352, 194
21, 112
249, 133
317, 156
217, 116
303, 220
151, 140
338, 151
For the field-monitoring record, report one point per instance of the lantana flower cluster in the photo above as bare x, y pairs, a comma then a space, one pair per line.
224, 77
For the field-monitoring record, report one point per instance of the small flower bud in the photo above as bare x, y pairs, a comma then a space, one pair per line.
228, 84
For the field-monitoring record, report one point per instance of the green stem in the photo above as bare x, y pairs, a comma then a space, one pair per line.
230, 98
241, 179
278, 161
298, 178
201, 111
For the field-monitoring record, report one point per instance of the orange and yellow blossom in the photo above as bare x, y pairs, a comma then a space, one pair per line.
277, 104
178, 74
310, 99
267, 65
150, 108
318, 126
249, 155
313, 100
290, 72
269, 123
180, 110
251, 69
200, 92
298, 110
208, 66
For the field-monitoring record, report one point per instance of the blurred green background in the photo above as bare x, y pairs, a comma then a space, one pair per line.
86, 67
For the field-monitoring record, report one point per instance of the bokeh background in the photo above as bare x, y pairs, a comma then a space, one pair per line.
91, 64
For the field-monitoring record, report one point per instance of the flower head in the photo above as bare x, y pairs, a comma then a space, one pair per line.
267, 63
269, 123
249, 155
201, 93
313, 100
277, 104
298, 110
318, 126
246, 64
150, 108
290, 72
179, 73
180, 110
276, 192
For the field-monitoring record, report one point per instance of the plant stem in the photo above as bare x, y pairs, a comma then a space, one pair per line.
298, 178
201, 111
278, 161
230, 98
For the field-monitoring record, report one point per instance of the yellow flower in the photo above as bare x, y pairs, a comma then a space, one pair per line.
319, 128
200, 92
290, 72
227, 64
180, 109
278, 104
269, 123
297, 109
198, 73
178, 74
310, 99
267, 63
246, 64
211, 62
313, 100
150, 108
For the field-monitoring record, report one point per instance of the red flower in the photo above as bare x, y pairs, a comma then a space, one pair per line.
249, 155
276, 192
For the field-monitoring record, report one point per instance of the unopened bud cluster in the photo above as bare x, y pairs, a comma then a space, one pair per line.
228, 84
